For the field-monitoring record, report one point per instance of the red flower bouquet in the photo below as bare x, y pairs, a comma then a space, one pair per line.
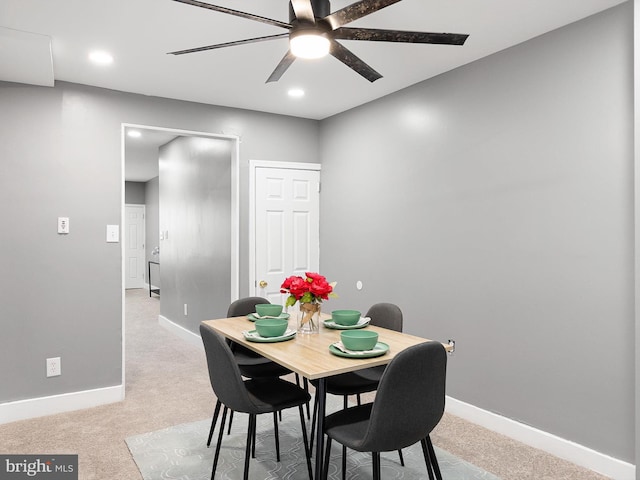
314, 288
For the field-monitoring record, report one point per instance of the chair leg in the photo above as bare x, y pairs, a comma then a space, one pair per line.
427, 460
216, 412
275, 432
375, 457
359, 399
345, 402
220, 434
250, 431
327, 457
401, 457
313, 423
307, 452
306, 389
434, 460
344, 462
253, 441
230, 422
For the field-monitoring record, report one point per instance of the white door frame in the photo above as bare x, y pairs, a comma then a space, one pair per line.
253, 165
235, 211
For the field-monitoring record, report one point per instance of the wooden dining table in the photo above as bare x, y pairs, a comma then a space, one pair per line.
308, 355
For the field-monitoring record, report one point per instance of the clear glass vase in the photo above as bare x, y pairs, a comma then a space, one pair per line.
309, 318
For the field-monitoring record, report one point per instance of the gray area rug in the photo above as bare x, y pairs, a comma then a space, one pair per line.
180, 452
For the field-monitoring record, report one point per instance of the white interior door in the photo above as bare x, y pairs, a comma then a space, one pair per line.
287, 227
134, 246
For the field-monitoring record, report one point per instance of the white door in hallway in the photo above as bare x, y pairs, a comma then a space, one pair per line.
287, 227
134, 230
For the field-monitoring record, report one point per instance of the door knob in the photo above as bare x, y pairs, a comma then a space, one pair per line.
263, 284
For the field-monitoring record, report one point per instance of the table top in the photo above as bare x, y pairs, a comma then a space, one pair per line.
308, 354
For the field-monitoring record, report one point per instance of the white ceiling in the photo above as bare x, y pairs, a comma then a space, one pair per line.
139, 33
141, 153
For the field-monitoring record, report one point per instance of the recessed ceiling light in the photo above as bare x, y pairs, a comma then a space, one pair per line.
296, 92
134, 133
101, 57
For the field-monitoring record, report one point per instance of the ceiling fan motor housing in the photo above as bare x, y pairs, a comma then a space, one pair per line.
321, 8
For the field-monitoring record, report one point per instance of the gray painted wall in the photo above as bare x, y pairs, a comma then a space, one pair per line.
152, 226
508, 181
494, 204
62, 295
134, 193
195, 210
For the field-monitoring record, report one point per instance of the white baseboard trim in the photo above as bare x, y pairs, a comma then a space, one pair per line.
180, 331
65, 402
559, 447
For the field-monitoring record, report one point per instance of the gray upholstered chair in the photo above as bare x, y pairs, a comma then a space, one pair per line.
251, 364
409, 404
385, 315
254, 396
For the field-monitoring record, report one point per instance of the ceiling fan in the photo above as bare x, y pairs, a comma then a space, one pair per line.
313, 31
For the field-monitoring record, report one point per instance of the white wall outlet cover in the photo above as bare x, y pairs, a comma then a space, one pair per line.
113, 233
54, 367
63, 225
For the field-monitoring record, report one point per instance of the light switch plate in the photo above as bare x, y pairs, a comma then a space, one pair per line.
113, 233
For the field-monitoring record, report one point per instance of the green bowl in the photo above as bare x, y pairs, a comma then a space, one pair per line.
271, 327
359, 339
270, 309
345, 317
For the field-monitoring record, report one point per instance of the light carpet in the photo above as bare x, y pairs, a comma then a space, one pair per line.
180, 452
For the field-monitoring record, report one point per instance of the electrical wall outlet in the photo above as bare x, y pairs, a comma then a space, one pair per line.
63, 225
186, 310
53, 367
452, 344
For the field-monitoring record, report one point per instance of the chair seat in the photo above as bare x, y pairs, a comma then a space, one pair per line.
253, 365
349, 426
272, 395
349, 383
373, 374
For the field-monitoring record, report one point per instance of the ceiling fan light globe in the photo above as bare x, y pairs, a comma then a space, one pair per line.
309, 45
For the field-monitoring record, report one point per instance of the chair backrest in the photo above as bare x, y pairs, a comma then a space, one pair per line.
224, 373
386, 315
240, 308
245, 306
410, 398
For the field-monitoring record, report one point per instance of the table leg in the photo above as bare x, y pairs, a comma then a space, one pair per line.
321, 396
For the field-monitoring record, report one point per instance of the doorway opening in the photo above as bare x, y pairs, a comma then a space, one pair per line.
141, 162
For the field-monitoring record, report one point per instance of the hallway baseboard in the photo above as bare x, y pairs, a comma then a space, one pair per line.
180, 331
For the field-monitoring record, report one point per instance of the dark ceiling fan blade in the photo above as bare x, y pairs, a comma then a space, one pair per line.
378, 35
230, 44
282, 67
347, 57
237, 13
304, 11
355, 11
